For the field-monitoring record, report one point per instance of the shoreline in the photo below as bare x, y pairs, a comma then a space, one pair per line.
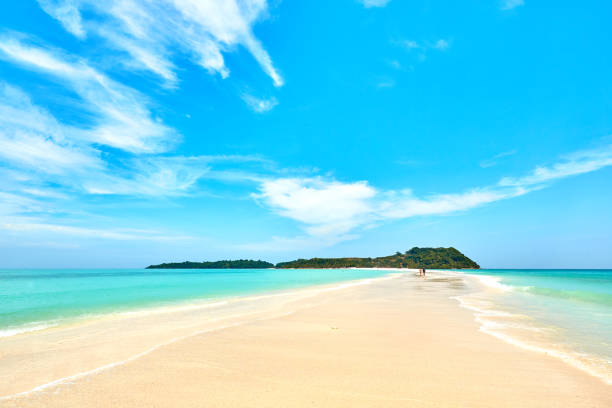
486, 318
83, 324
313, 299
166, 306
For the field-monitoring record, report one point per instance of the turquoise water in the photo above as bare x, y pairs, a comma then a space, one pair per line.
34, 299
566, 311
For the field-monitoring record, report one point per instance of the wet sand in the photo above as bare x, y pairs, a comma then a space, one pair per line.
399, 342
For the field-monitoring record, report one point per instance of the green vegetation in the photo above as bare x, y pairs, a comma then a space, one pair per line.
239, 264
429, 258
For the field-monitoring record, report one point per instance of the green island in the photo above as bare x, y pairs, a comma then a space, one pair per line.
428, 258
239, 264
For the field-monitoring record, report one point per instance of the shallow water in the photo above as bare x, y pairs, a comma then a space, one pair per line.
564, 313
31, 300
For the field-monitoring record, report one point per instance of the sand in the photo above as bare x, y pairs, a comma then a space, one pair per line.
401, 342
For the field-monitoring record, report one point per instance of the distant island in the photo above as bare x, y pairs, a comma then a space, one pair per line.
239, 264
428, 258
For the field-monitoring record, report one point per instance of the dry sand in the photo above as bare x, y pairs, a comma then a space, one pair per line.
394, 343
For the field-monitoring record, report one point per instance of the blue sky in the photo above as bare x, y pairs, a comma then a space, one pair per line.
135, 132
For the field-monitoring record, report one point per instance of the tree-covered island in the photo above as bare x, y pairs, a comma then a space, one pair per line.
239, 264
428, 258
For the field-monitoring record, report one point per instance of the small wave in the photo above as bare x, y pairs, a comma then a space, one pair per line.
172, 308
573, 359
493, 282
582, 361
572, 295
36, 326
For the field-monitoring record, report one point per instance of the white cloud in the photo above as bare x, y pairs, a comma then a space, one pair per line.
584, 161
66, 12
325, 207
410, 44
153, 176
11, 204
31, 138
421, 49
147, 58
96, 233
121, 116
395, 64
404, 205
441, 45
388, 83
259, 105
152, 32
332, 211
492, 161
510, 4
374, 3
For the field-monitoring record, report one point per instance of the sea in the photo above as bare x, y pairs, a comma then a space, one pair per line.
566, 314
32, 300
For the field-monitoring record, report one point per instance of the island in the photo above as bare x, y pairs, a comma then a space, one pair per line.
428, 258
239, 264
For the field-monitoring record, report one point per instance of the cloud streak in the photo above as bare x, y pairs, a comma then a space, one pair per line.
259, 105
374, 3
511, 4
492, 161
122, 118
151, 33
96, 233
31, 138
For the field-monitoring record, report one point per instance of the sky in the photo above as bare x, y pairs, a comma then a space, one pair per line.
135, 132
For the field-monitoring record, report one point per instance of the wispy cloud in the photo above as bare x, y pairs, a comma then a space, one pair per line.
67, 13
333, 211
386, 83
580, 162
37, 150
395, 64
410, 44
169, 175
32, 208
441, 45
259, 105
97, 233
12, 204
511, 4
374, 3
122, 117
31, 138
151, 33
492, 161
421, 49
